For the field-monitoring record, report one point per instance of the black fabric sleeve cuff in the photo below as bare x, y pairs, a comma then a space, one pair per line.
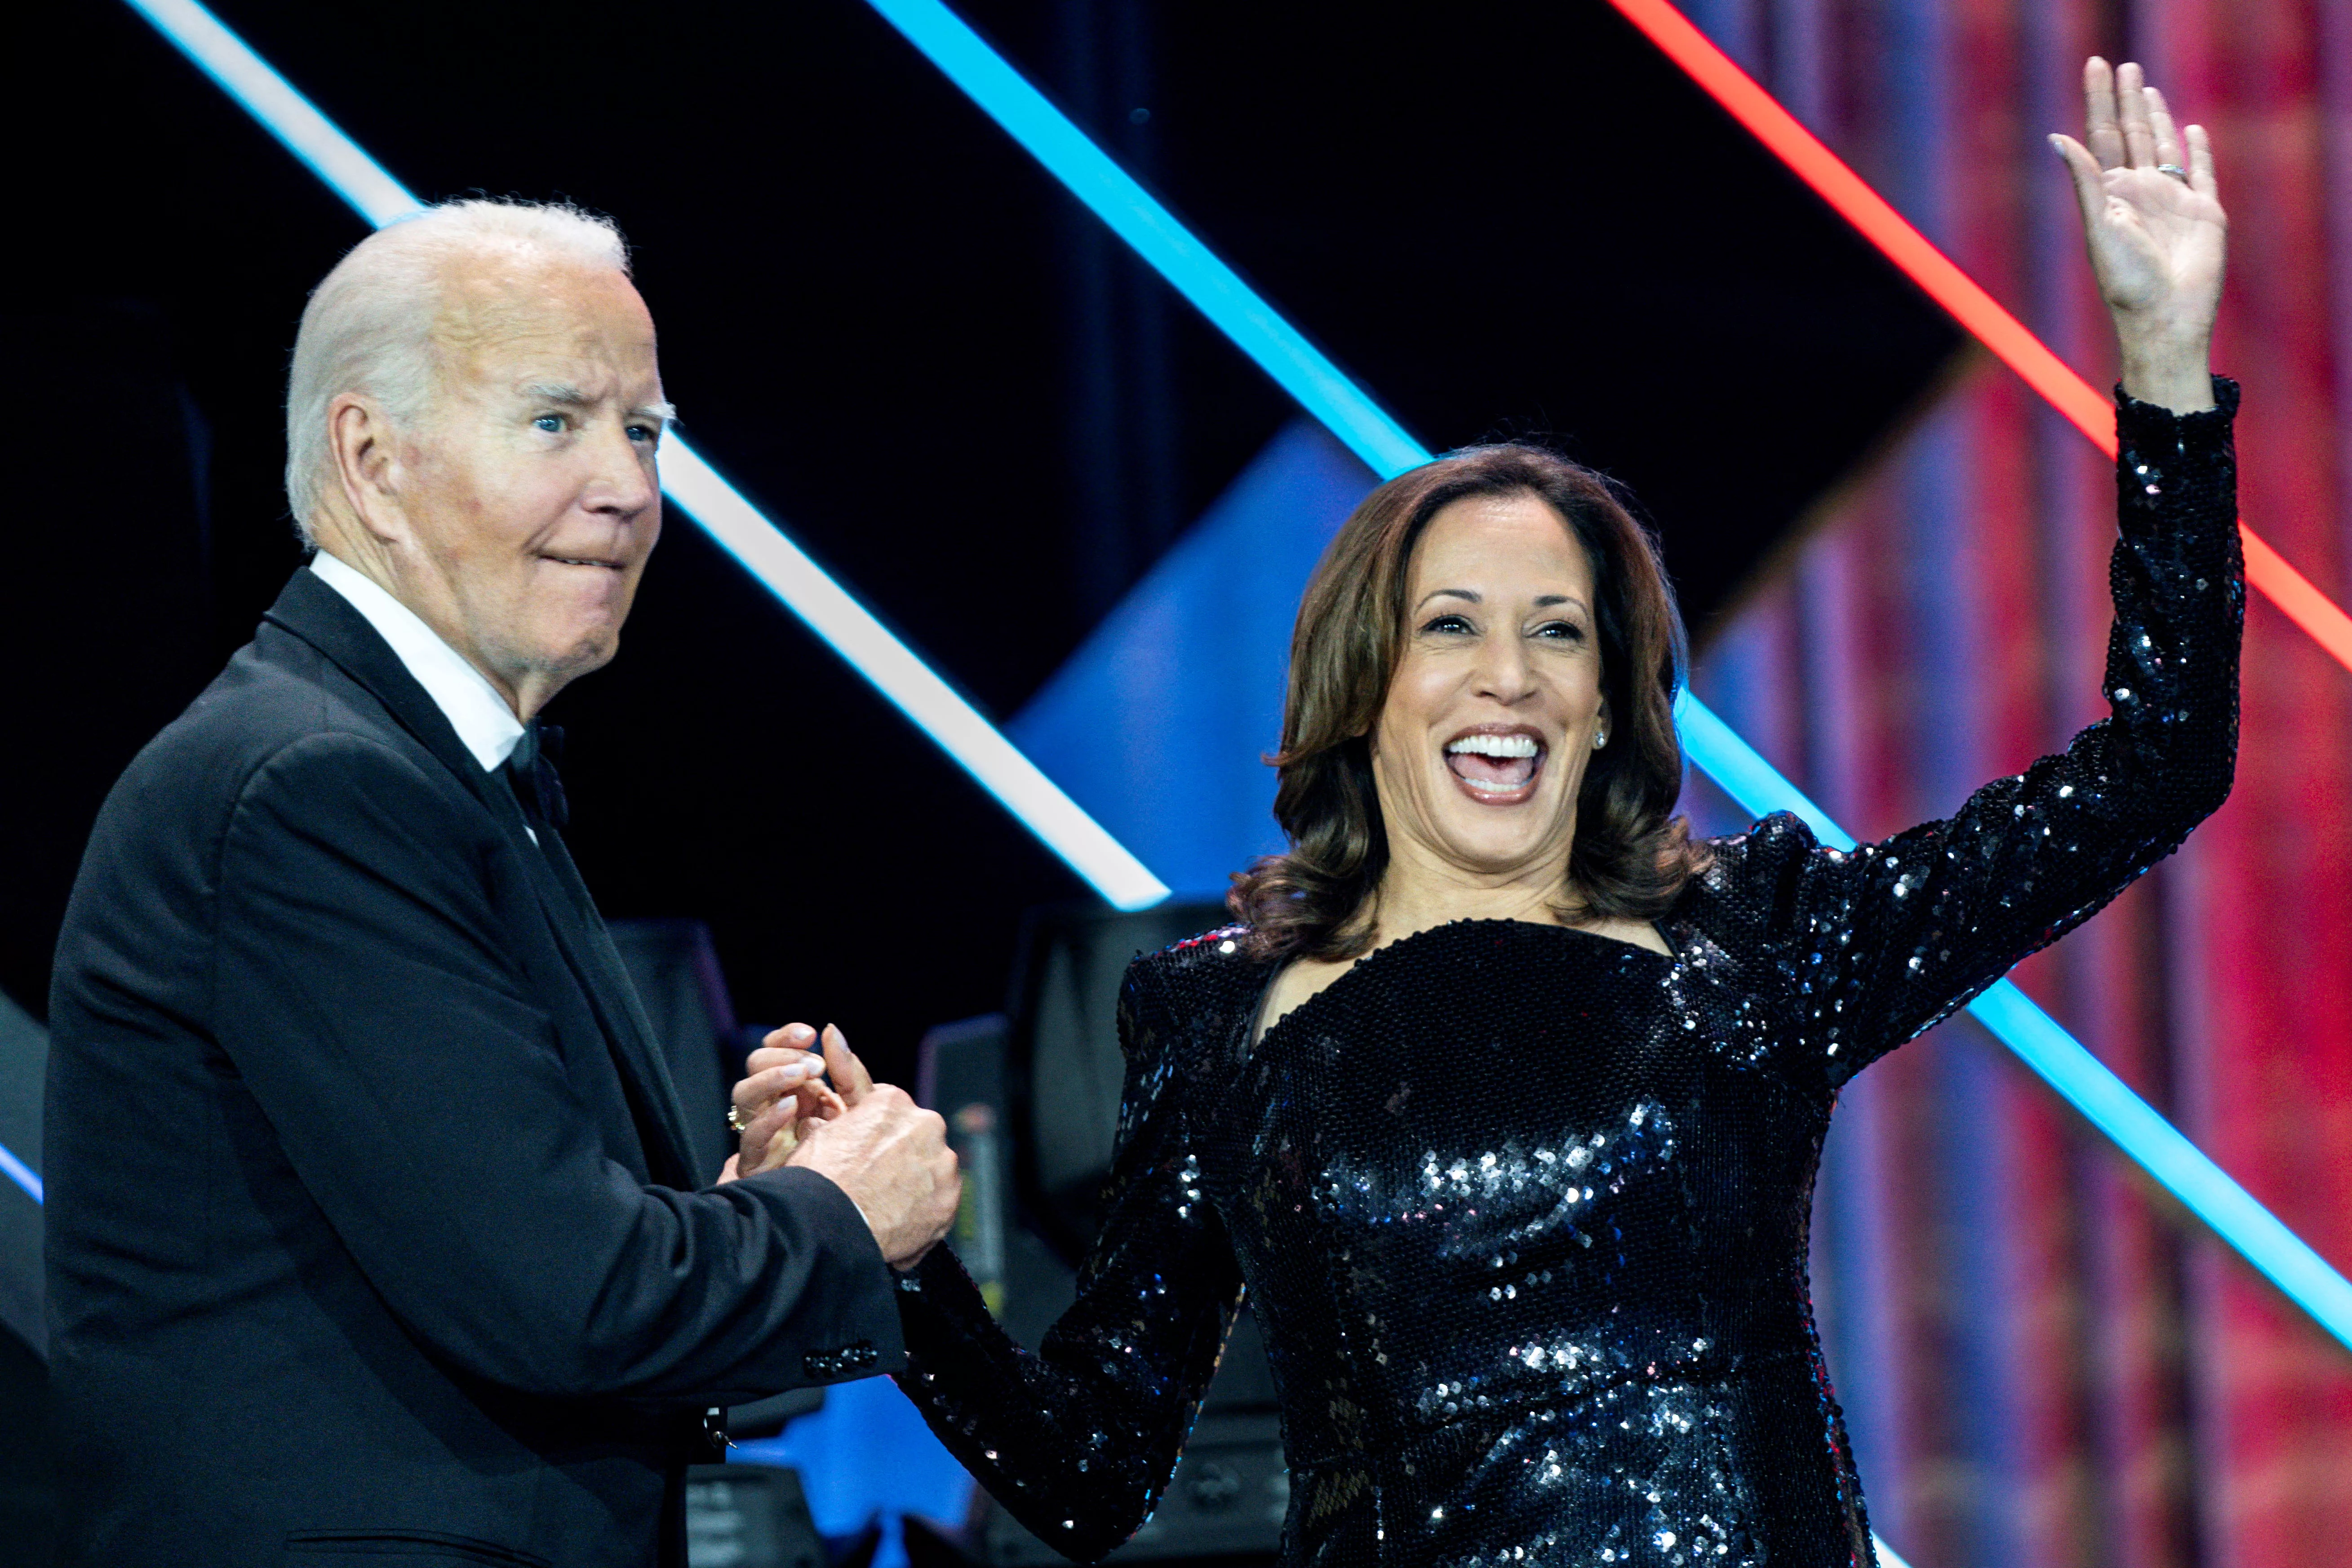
939, 1274
860, 1336
2152, 428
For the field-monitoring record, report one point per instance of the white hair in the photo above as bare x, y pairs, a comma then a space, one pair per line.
369, 327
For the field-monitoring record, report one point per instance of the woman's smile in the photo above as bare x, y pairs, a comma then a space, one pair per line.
1497, 765
1486, 730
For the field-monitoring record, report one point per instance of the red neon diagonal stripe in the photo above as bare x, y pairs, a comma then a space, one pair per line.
1945, 283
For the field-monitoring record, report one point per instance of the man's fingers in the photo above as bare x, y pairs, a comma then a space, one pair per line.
850, 1079
893, 1159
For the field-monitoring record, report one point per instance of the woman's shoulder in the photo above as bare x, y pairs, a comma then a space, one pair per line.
1773, 840
1751, 876
1210, 961
1198, 987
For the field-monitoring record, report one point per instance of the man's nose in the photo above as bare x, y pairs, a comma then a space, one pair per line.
624, 483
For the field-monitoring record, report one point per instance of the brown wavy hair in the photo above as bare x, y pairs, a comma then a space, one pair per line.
1632, 856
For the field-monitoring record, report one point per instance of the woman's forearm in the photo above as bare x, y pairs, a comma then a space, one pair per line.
2167, 364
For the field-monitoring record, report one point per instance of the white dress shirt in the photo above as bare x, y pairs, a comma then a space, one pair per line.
483, 722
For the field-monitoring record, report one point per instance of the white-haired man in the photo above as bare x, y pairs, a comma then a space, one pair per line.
372, 1227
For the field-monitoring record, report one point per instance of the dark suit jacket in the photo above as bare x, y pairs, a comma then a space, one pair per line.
372, 1227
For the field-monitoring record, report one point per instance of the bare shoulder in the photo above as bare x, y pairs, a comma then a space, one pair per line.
1297, 982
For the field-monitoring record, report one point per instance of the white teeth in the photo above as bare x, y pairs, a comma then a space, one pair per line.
1495, 746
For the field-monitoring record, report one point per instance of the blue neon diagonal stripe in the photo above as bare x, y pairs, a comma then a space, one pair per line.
828, 609
24, 1176
285, 114
1261, 331
1190, 266
1195, 270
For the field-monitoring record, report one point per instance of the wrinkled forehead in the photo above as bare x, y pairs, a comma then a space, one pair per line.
509, 322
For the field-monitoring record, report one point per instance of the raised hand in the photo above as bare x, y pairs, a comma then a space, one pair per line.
2153, 220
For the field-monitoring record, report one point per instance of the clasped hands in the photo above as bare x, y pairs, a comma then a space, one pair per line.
870, 1139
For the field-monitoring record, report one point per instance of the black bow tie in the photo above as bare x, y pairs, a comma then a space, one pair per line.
531, 765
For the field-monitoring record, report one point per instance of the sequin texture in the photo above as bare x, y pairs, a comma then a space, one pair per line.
1522, 1210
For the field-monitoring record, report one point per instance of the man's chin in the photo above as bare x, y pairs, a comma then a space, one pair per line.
587, 656
547, 669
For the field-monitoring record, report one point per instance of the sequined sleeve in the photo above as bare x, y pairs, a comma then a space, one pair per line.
1078, 1439
1873, 946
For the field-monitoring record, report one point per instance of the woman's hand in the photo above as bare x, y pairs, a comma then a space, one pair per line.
781, 1093
2157, 239
888, 1156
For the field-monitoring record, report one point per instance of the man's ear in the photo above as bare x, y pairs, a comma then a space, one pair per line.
367, 463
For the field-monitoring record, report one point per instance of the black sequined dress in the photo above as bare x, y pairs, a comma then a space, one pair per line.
1522, 1210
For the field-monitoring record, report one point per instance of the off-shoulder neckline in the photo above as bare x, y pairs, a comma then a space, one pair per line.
1258, 1037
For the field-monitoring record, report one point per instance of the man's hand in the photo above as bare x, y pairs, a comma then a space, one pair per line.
871, 1140
781, 1089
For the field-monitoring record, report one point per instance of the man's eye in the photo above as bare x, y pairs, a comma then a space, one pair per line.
644, 433
551, 422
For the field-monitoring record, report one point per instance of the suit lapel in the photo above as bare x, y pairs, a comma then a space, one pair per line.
315, 613
582, 931
326, 620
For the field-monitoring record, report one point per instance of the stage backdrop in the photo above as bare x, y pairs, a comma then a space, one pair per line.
2044, 1367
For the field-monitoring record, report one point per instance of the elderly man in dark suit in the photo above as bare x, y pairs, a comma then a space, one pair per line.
372, 1230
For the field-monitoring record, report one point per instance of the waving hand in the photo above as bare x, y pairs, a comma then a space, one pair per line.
2152, 216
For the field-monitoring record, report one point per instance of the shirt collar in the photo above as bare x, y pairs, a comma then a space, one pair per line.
485, 724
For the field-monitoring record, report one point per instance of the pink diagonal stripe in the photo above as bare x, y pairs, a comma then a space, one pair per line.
1978, 311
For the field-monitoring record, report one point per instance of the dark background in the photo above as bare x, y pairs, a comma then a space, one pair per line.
900, 339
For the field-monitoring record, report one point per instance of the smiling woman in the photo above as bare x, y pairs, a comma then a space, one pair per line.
1505, 1100
1497, 621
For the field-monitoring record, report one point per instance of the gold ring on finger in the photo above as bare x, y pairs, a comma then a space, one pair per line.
735, 1122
